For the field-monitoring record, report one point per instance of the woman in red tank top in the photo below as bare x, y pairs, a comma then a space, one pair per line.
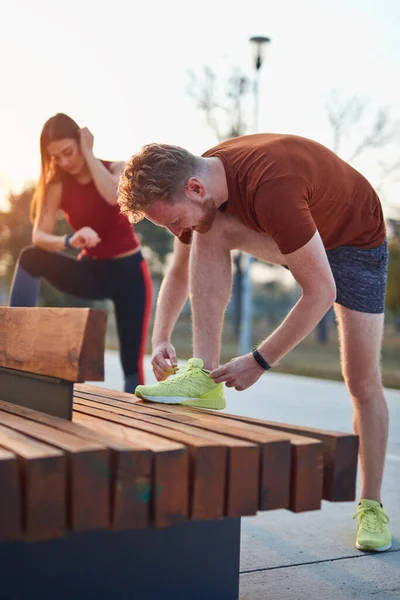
110, 264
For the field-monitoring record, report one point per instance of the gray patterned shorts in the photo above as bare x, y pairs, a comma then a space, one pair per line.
360, 275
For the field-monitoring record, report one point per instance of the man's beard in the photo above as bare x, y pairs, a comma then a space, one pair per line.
209, 211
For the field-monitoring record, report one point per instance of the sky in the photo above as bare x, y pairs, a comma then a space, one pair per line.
121, 69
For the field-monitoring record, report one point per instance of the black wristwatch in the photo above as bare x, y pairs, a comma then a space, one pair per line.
67, 245
261, 361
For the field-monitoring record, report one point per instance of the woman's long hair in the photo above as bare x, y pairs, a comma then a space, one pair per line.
59, 127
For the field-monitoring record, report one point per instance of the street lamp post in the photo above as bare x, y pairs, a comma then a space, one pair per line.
259, 44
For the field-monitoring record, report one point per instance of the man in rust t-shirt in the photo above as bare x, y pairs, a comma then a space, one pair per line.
290, 201
289, 186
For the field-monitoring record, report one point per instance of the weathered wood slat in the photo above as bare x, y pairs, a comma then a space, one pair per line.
306, 458
242, 471
218, 487
207, 462
131, 469
43, 474
88, 472
10, 497
340, 455
306, 461
31, 341
170, 498
280, 487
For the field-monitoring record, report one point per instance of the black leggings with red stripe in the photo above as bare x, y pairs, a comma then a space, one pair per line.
126, 281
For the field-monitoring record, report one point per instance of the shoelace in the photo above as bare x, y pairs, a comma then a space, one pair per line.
181, 373
371, 518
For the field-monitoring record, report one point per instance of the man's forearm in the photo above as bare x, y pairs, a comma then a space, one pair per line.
301, 320
171, 299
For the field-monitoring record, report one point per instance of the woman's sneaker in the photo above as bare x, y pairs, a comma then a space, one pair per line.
373, 534
190, 385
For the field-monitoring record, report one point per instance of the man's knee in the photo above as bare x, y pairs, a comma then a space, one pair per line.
365, 388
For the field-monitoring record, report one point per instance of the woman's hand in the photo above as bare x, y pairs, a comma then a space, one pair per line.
86, 140
84, 238
164, 360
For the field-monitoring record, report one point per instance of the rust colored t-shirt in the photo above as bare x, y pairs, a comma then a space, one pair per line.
289, 186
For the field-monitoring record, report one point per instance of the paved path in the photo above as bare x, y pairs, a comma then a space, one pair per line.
311, 555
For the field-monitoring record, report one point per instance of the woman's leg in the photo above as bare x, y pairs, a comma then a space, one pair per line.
25, 288
131, 289
77, 277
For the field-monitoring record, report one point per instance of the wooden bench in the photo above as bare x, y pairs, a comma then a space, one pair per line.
105, 496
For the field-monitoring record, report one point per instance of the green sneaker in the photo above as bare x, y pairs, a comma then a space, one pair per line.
190, 386
373, 534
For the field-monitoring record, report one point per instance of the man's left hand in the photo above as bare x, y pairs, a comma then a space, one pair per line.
240, 373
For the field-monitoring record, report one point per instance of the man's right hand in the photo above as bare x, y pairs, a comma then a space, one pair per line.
86, 237
164, 360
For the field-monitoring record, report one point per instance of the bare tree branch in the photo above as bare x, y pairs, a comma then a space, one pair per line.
222, 108
343, 115
387, 172
381, 133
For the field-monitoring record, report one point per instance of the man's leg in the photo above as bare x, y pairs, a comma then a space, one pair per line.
360, 342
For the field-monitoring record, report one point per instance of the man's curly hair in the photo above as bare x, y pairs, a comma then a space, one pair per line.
157, 171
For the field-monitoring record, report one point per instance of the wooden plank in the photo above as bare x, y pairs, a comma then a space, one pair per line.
10, 497
88, 467
170, 491
242, 473
207, 460
131, 469
340, 455
306, 478
275, 450
229, 488
96, 390
306, 457
43, 475
31, 341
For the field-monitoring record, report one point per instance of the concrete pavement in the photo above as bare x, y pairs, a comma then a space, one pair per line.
309, 555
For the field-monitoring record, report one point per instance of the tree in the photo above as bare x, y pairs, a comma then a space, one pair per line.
348, 117
15, 230
158, 240
223, 103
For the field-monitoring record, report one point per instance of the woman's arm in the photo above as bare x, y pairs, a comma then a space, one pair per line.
106, 181
42, 234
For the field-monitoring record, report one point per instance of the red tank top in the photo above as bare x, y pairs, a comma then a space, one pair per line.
83, 206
